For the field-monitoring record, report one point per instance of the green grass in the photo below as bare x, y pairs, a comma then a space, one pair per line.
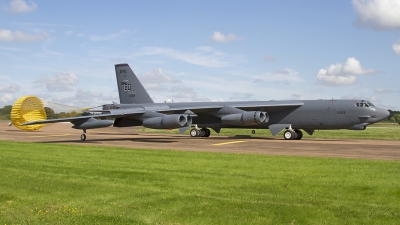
66, 184
384, 131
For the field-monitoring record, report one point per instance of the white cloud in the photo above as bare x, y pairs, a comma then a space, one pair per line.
20, 6
396, 47
10, 89
219, 37
108, 37
60, 81
284, 75
158, 76
383, 91
297, 97
6, 99
378, 14
187, 93
269, 58
203, 56
338, 74
19, 36
11, 49
241, 96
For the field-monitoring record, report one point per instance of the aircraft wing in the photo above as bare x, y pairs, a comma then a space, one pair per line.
269, 107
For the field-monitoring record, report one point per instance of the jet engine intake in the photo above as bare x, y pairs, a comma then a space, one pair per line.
246, 118
92, 123
168, 121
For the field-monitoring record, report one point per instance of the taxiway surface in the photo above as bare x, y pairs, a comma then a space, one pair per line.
127, 137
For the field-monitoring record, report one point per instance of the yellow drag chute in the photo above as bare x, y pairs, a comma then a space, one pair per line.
27, 109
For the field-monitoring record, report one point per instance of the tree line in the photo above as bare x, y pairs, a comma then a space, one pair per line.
6, 110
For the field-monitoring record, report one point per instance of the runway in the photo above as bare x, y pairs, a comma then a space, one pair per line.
62, 133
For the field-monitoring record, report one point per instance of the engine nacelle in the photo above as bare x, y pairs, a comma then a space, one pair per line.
93, 123
168, 121
361, 126
246, 118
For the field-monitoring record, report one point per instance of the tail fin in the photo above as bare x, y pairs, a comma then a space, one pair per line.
129, 87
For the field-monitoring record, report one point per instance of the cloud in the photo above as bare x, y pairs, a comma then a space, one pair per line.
383, 91
338, 74
108, 37
158, 76
60, 81
241, 96
297, 97
279, 75
269, 58
396, 47
187, 93
378, 14
6, 99
19, 36
20, 6
203, 56
219, 37
10, 89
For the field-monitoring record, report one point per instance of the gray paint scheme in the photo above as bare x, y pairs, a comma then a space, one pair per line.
136, 107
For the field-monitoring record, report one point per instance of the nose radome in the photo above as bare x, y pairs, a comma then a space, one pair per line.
383, 113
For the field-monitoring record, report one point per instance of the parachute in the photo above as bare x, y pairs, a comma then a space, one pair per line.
27, 109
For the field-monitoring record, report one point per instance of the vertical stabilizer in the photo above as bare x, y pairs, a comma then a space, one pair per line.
129, 87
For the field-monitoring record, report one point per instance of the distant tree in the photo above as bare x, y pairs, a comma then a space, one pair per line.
397, 118
5, 112
50, 113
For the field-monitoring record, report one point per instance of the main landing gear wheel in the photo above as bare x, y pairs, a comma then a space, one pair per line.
293, 135
204, 132
194, 133
299, 134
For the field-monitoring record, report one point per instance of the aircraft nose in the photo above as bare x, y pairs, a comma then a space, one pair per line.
383, 114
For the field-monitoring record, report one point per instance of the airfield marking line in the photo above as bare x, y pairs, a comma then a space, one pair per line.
228, 143
52, 135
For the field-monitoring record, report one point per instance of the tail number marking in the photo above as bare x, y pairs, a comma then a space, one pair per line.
127, 87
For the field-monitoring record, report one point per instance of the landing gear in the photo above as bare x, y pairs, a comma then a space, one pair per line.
253, 131
196, 132
83, 136
293, 135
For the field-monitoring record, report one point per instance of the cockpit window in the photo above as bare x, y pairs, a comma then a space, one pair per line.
364, 103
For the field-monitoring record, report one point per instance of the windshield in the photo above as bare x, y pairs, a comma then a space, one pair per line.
364, 103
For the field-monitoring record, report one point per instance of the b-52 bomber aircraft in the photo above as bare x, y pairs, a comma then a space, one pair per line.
136, 108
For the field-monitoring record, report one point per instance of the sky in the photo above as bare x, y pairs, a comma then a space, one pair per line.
187, 51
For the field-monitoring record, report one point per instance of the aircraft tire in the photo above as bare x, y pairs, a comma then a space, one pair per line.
253, 131
194, 133
288, 135
299, 134
83, 137
202, 133
208, 132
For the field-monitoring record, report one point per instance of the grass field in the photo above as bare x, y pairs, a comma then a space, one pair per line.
384, 131
66, 184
